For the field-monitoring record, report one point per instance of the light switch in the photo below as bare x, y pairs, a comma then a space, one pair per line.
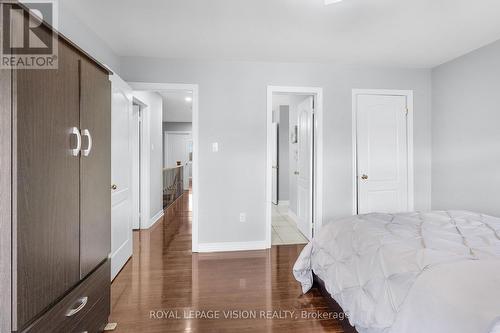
215, 147
243, 217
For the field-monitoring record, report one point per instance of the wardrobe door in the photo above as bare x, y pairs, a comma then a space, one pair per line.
95, 182
46, 185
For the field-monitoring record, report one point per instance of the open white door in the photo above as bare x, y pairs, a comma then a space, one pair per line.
382, 154
188, 166
304, 171
274, 154
121, 171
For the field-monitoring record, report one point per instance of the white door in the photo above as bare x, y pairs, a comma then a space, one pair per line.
188, 167
304, 171
121, 163
382, 154
274, 153
136, 167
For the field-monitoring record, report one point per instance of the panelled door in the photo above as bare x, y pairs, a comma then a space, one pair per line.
121, 174
47, 181
304, 171
382, 153
95, 202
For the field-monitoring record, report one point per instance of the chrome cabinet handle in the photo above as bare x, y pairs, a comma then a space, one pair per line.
76, 132
86, 152
114, 187
296, 173
364, 177
81, 304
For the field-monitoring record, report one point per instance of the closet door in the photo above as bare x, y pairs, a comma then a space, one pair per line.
46, 185
95, 178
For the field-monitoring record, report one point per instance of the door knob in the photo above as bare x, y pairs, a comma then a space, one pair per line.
364, 177
114, 187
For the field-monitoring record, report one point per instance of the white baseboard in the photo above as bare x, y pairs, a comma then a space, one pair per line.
155, 219
231, 246
283, 203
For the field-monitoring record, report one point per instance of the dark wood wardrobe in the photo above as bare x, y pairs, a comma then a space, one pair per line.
55, 175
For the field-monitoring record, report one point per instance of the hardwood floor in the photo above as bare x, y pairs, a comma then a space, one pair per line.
165, 279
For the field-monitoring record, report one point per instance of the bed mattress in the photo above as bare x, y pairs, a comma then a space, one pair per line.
410, 272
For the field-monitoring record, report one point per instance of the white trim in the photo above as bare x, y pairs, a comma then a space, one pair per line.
195, 130
318, 140
145, 164
231, 246
411, 173
283, 203
137, 101
156, 218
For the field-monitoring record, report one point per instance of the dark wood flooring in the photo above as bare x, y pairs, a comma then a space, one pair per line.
164, 278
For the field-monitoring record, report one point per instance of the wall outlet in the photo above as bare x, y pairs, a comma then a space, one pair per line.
243, 217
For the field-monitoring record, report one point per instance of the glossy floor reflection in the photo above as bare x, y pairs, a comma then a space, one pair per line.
165, 279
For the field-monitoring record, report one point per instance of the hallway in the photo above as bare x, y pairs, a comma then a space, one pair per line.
164, 276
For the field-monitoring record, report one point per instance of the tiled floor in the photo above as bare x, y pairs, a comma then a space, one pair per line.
285, 229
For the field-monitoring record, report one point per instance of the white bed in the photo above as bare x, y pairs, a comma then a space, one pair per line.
435, 272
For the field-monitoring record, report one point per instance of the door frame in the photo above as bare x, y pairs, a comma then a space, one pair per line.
409, 123
142, 145
317, 207
151, 86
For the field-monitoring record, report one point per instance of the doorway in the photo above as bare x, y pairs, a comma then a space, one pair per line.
177, 101
294, 169
383, 151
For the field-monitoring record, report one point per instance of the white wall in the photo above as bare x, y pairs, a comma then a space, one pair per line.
465, 131
79, 33
233, 113
152, 118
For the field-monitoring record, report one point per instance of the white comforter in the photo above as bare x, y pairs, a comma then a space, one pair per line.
410, 273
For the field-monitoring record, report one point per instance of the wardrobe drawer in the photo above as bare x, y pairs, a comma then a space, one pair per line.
67, 314
96, 319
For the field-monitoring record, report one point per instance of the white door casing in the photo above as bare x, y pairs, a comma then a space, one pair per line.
304, 172
135, 178
274, 154
121, 174
382, 153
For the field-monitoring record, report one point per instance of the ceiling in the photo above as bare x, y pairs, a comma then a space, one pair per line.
410, 33
175, 106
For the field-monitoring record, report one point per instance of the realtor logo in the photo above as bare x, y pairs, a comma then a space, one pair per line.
26, 39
